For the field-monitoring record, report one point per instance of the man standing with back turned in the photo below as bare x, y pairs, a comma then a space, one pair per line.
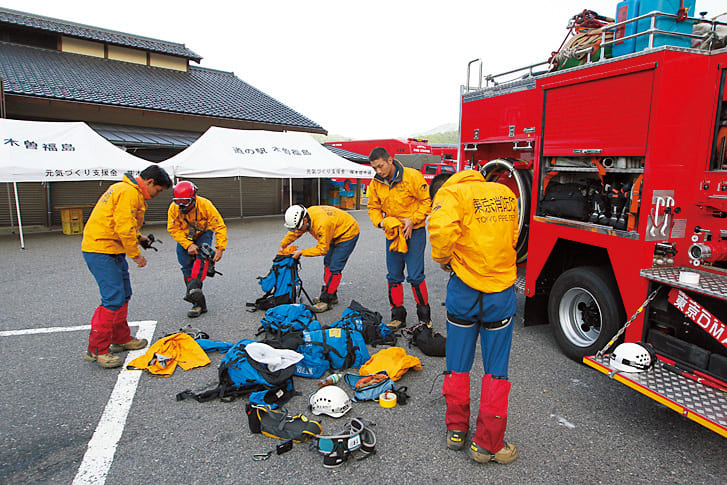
473, 232
112, 233
399, 204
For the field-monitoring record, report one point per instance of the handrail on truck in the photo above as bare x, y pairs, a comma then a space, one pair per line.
492, 78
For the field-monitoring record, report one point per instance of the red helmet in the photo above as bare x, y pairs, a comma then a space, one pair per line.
184, 196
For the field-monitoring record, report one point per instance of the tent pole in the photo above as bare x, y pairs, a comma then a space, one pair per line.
10, 212
20, 222
49, 216
319, 191
290, 192
240, 192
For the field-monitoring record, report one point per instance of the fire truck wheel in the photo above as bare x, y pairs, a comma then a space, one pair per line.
584, 310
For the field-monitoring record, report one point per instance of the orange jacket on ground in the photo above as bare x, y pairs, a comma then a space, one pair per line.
203, 217
474, 228
394, 360
166, 353
407, 196
329, 225
114, 224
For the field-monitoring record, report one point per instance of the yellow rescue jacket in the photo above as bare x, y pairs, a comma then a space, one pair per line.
392, 228
329, 225
114, 224
406, 196
394, 360
474, 228
203, 217
166, 353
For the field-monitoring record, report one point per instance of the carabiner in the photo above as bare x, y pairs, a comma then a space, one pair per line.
261, 456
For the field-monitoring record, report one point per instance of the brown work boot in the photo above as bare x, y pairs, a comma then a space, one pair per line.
133, 344
321, 306
196, 311
107, 361
398, 318
396, 324
507, 454
455, 439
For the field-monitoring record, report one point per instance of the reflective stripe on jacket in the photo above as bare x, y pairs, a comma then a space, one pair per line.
407, 196
115, 221
474, 228
203, 217
329, 225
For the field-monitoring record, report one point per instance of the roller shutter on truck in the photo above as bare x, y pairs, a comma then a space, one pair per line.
616, 121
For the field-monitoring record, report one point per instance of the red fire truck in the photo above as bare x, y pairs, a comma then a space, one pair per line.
412, 152
393, 145
620, 166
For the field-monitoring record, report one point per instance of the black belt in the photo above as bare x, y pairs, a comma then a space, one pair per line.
487, 325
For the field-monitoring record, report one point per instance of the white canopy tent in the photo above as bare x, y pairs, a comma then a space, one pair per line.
225, 152
47, 151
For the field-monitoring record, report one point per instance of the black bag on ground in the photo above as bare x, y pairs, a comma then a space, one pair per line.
569, 201
430, 342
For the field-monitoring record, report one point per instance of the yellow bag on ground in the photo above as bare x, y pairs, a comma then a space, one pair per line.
394, 360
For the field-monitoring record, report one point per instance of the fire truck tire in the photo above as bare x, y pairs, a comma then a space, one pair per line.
520, 181
584, 310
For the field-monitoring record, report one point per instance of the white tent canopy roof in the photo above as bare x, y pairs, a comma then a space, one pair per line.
49, 151
225, 152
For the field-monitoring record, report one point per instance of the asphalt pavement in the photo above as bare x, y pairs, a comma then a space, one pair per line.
570, 423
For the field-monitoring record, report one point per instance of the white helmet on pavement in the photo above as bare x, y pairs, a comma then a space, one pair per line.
633, 357
294, 217
330, 400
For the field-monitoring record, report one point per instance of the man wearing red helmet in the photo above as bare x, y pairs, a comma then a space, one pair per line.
192, 221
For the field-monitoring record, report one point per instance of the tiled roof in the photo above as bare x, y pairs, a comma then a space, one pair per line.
88, 32
46, 73
137, 136
354, 157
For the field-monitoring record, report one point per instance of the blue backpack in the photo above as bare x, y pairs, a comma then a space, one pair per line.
368, 323
281, 285
286, 318
240, 375
330, 348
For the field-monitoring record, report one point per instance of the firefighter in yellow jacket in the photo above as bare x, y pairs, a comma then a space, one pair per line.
193, 221
111, 234
336, 232
473, 232
399, 204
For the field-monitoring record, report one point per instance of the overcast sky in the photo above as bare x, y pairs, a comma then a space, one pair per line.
374, 69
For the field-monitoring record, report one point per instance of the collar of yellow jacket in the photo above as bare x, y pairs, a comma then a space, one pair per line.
464, 176
142, 186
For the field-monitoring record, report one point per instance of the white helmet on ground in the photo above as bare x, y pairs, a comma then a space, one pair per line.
294, 217
330, 400
633, 357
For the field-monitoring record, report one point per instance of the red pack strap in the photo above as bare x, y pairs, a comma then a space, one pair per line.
699, 315
635, 199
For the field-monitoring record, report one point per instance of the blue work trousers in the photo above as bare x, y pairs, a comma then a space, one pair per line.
338, 254
413, 259
187, 260
465, 304
111, 272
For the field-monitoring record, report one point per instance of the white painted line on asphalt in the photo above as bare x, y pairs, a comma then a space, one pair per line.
33, 331
102, 447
